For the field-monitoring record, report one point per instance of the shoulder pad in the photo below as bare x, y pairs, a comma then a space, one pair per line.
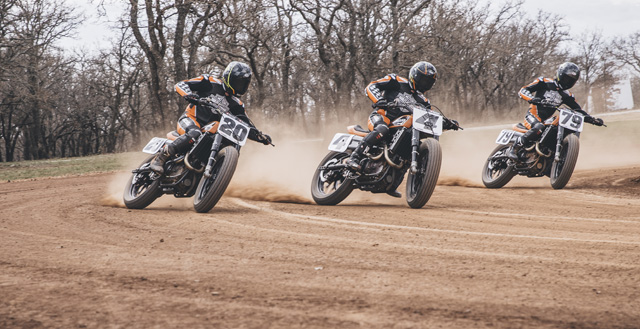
401, 79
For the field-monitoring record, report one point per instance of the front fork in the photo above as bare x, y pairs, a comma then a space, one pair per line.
559, 143
215, 147
415, 145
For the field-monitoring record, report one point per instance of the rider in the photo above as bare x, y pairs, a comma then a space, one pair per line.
545, 95
225, 93
383, 93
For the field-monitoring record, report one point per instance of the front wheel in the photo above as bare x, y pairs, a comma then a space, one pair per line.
330, 187
420, 186
562, 170
141, 189
210, 189
496, 172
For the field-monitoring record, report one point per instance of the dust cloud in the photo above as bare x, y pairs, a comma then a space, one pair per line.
113, 195
283, 173
278, 174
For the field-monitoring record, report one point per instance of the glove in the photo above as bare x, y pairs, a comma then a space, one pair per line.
264, 139
535, 101
594, 121
382, 103
451, 124
192, 98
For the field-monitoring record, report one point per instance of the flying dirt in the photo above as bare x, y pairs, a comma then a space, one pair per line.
525, 255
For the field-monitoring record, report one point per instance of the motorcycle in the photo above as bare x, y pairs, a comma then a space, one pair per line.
554, 154
204, 171
413, 145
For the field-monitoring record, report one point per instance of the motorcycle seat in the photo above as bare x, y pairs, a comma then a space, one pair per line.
172, 135
519, 127
357, 130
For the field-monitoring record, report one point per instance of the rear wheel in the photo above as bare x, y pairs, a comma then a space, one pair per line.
497, 172
211, 189
562, 170
330, 187
421, 185
141, 189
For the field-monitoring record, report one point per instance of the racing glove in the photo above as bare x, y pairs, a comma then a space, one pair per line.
264, 139
594, 121
535, 101
450, 124
192, 98
381, 104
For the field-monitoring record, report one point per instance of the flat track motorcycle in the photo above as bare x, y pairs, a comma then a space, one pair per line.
204, 171
554, 154
412, 145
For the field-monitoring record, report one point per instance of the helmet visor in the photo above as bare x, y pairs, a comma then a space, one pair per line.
240, 85
566, 81
425, 84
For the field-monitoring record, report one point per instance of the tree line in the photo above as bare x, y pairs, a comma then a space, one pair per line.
311, 61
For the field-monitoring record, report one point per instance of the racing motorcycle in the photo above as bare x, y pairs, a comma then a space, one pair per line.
413, 145
204, 171
554, 154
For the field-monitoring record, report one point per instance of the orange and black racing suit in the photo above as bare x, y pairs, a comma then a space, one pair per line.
548, 91
386, 90
195, 116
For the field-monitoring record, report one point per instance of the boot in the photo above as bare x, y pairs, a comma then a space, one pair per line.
512, 153
157, 164
354, 160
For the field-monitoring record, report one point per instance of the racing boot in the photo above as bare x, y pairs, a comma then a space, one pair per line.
512, 152
157, 164
356, 156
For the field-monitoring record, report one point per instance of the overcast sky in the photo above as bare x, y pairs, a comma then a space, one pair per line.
611, 17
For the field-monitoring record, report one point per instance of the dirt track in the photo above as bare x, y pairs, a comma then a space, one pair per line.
468, 259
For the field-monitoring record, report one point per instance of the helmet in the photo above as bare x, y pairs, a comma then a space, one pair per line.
237, 77
567, 76
422, 76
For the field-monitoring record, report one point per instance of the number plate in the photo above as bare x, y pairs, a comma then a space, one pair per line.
427, 121
233, 129
155, 144
505, 136
571, 120
340, 142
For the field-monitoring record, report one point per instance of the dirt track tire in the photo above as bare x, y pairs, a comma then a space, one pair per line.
561, 171
136, 199
503, 177
339, 192
209, 190
420, 187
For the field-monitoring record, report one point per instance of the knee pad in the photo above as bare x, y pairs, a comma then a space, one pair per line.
194, 134
379, 132
180, 145
382, 129
535, 130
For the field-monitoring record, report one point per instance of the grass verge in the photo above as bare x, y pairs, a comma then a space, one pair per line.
61, 167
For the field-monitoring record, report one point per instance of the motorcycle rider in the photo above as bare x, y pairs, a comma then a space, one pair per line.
225, 93
545, 95
383, 93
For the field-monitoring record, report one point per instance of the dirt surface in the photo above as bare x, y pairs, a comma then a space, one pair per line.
72, 258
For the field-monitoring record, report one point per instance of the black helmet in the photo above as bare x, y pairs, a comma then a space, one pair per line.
237, 77
567, 76
422, 76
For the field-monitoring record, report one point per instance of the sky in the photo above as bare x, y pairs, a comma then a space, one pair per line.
610, 17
